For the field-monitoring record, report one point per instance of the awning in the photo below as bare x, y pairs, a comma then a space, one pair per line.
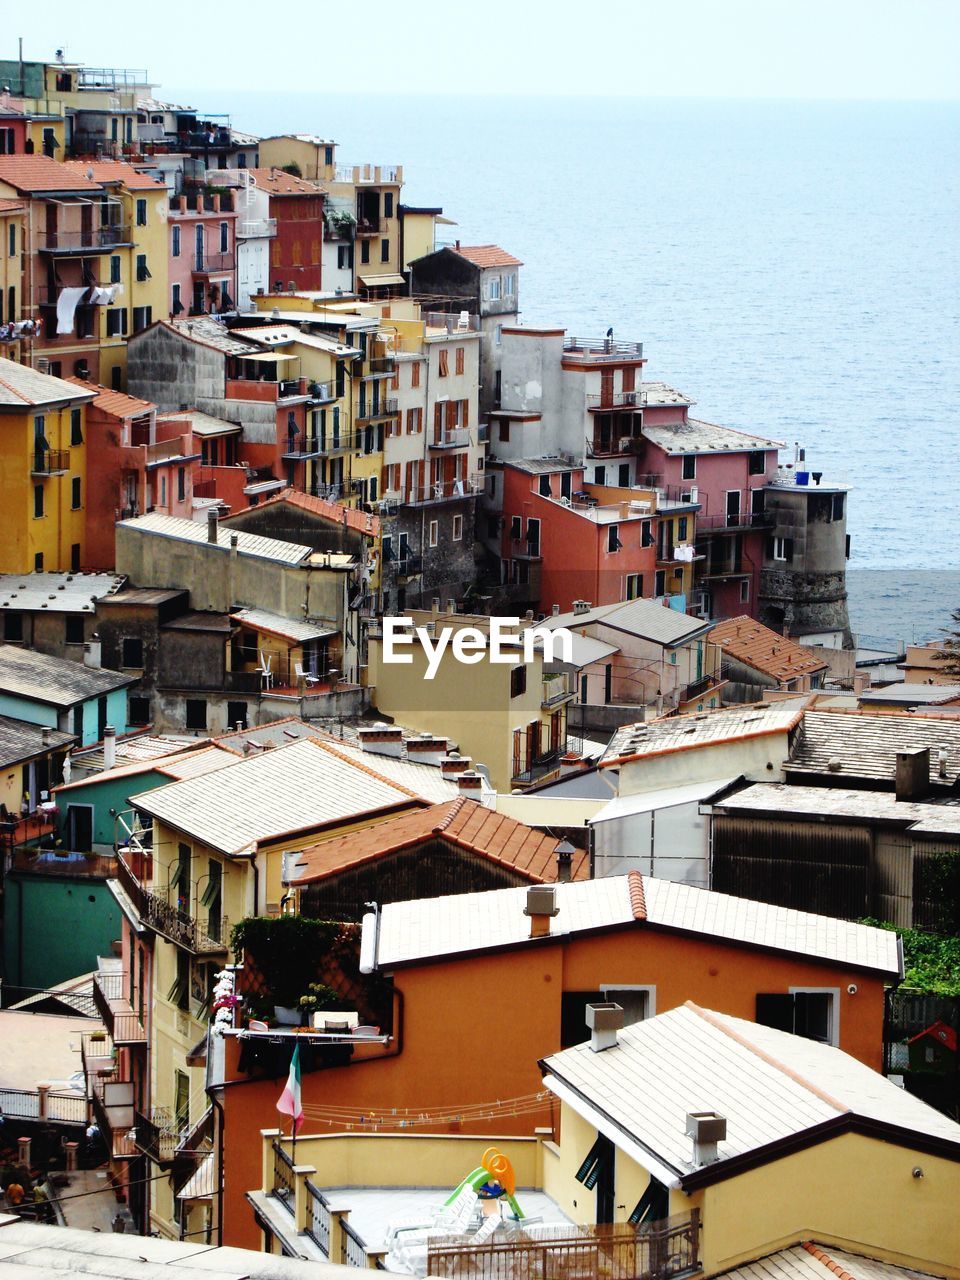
202, 1184
269, 357
286, 628
264, 486
207, 427
374, 282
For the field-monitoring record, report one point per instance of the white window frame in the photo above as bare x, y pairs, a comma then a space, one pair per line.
649, 988
780, 549
494, 288
457, 535
834, 1007
433, 533
726, 501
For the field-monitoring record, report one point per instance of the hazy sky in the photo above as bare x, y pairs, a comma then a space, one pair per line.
893, 49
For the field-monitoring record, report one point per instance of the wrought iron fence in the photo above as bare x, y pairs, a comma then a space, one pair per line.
318, 1218
353, 1252
283, 1179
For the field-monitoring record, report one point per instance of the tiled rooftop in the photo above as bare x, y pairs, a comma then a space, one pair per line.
857, 744
116, 402
706, 728
766, 651
21, 386
35, 174
487, 255
114, 171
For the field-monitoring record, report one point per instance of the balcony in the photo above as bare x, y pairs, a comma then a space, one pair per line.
615, 400
173, 922
256, 228
373, 412
443, 491
322, 392
302, 448
607, 350
86, 240
158, 1135
109, 986
43, 1104
613, 444
380, 365
736, 520
701, 688
452, 322
409, 567
369, 173
205, 263
366, 227
451, 438
50, 462
558, 687
546, 763
254, 388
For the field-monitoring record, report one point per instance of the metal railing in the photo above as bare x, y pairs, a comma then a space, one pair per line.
407, 566
50, 462
451, 438
379, 409
616, 400
157, 1134
289, 387
353, 1251
610, 444
92, 239
697, 688
443, 491
302, 447
453, 321
735, 520
318, 1218
113, 78
172, 921
253, 228
619, 1251
121, 1021
35, 1104
206, 262
557, 687
283, 1177
602, 349
382, 364
369, 227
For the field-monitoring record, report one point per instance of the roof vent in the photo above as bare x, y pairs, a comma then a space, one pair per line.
564, 852
541, 908
834, 764
605, 1022
707, 1129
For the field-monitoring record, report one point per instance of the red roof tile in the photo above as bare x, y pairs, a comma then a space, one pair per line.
333, 511
116, 171
11, 206
40, 173
115, 402
487, 255
279, 183
461, 822
750, 642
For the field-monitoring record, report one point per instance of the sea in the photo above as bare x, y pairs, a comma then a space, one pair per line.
793, 266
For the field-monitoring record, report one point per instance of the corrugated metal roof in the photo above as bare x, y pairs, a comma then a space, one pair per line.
859, 745
643, 618
57, 592
769, 1085
20, 740
248, 544
764, 650
54, 681
293, 788
287, 628
706, 728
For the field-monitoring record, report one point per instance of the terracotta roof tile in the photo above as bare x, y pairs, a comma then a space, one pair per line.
115, 402
40, 173
487, 255
279, 183
334, 511
109, 171
750, 642
637, 899
461, 822
11, 206
827, 1261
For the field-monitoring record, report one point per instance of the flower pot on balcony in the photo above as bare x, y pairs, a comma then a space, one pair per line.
285, 1016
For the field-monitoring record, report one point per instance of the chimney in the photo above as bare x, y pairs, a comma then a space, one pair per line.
435, 604
605, 1022
45, 735
555, 611
92, 651
212, 523
706, 1128
470, 784
109, 746
541, 908
942, 762
453, 766
581, 606
427, 750
565, 852
913, 774
234, 545
451, 606
572, 762
382, 740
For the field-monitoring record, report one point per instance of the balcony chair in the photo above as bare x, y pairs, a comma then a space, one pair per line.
306, 676
266, 675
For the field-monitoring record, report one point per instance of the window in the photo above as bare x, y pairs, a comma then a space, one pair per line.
498, 338
544, 486
38, 562
836, 512
433, 534
76, 493
688, 467
224, 237
143, 271
744, 590
634, 586
458, 528
756, 463
660, 582
364, 251
384, 250
37, 501
73, 629
115, 268
803, 1011
13, 628
388, 204
646, 533
141, 213
76, 427
493, 288
138, 709
345, 257
131, 652
516, 528
175, 244
176, 302
196, 713
599, 475
781, 549
116, 321
682, 529
444, 362
504, 432
518, 681
637, 1002
142, 318
459, 359
533, 537
613, 540
510, 284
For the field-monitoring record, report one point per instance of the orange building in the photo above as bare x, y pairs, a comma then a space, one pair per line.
487, 983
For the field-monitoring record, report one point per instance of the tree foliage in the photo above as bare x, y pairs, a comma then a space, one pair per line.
948, 654
931, 961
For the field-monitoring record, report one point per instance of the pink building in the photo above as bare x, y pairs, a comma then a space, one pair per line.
203, 253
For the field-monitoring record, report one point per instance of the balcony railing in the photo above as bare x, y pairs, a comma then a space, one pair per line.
616, 400
369, 227
409, 566
613, 444
256, 228
204, 263
353, 1250
172, 921
318, 1218
50, 462
381, 409
88, 240
543, 765
158, 1135
283, 1177
452, 321
451, 438
443, 491
697, 688
116, 1010
590, 349
735, 520
664, 1251
302, 448
321, 392
557, 687
42, 1104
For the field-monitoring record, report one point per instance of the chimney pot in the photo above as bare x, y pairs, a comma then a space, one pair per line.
605, 1022
212, 524
707, 1129
556, 611
541, 908
451, 606
565, 852
109, 746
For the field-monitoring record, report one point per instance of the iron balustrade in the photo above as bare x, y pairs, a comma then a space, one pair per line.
318, 1218
50, 462
353, 1251
616, 400
735, 520
87, 239
174, 922
377, 409
451, 438
283, 1178
602, 349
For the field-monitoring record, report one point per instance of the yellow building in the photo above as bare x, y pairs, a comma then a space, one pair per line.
217, 857
12, 226
509, 716
743, 1140
43, 471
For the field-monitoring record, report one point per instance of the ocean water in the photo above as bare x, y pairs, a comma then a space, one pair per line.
793, 266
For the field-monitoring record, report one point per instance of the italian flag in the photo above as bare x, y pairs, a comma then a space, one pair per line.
289, 1100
